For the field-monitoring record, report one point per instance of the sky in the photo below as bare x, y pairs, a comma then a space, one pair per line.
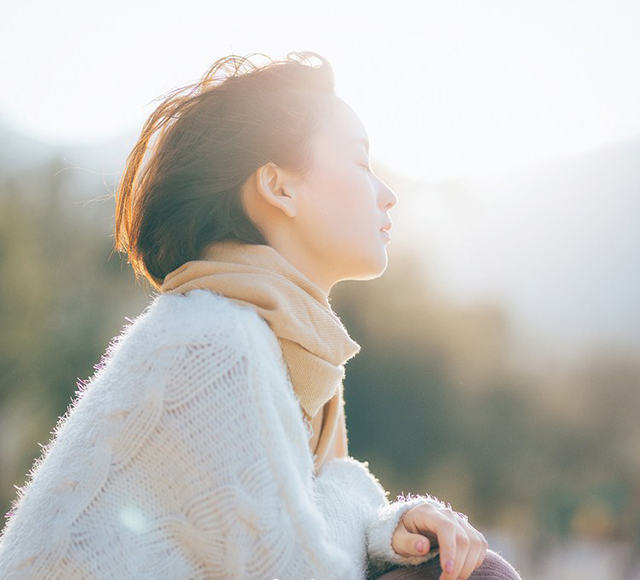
447, 89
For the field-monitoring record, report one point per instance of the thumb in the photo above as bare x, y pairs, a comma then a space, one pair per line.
406, 543
419, 544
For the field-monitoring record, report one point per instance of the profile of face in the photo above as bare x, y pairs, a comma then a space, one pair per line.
327, 223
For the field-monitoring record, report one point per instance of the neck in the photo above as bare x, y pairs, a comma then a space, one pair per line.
312, 269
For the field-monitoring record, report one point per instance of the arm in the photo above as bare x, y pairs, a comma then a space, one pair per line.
253, 512
362, 497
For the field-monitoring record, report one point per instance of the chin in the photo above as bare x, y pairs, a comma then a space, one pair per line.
371, 266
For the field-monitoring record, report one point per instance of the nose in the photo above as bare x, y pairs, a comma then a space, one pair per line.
388, 198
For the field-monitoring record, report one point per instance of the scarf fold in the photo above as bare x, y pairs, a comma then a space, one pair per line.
315, 344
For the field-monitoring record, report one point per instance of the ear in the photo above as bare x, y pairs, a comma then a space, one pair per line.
276, 188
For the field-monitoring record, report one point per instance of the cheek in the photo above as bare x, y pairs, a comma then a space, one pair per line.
342, 220
341, 204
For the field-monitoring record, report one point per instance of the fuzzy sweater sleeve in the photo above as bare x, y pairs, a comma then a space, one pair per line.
254, 510
349, 484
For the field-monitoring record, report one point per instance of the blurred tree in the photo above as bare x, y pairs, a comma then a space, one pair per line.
62, 301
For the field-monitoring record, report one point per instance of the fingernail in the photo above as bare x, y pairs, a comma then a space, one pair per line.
448, 567
420, 545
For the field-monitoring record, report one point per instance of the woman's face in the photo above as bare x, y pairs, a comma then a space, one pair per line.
342, 205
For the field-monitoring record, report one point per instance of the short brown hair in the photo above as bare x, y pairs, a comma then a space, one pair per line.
209, 137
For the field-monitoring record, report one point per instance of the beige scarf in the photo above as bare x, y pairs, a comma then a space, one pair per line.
314, 342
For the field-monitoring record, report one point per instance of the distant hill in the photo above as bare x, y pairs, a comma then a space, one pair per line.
92, 165
557, 243
19, 152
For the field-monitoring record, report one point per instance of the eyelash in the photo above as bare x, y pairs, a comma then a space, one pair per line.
365, 166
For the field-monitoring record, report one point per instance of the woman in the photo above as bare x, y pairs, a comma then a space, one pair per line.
211, 442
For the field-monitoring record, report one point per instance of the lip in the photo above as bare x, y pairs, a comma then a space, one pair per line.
385, 233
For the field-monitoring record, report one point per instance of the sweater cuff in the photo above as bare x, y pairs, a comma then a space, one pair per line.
380, 533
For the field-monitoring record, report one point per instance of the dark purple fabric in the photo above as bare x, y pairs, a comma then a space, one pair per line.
494, 567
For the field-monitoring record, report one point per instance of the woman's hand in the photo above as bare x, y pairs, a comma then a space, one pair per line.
462, 547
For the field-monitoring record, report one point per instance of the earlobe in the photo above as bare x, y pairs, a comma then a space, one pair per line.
287, 204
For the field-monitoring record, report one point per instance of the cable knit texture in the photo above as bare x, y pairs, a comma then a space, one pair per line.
186, 457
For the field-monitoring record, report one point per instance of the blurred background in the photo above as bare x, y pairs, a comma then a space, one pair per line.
500, 362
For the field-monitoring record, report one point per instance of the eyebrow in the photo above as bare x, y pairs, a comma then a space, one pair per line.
365, 142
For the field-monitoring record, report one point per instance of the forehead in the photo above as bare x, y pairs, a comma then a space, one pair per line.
343, 123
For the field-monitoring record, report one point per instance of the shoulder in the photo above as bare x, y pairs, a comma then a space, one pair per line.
187, 345
197, 317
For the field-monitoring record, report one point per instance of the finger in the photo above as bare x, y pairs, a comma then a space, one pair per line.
481, 542
413, 544
477, 551
446, 532
463, 544
406, 543
474, 556
419, 545
485, 546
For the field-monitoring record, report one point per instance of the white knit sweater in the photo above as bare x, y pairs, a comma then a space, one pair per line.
186, 457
